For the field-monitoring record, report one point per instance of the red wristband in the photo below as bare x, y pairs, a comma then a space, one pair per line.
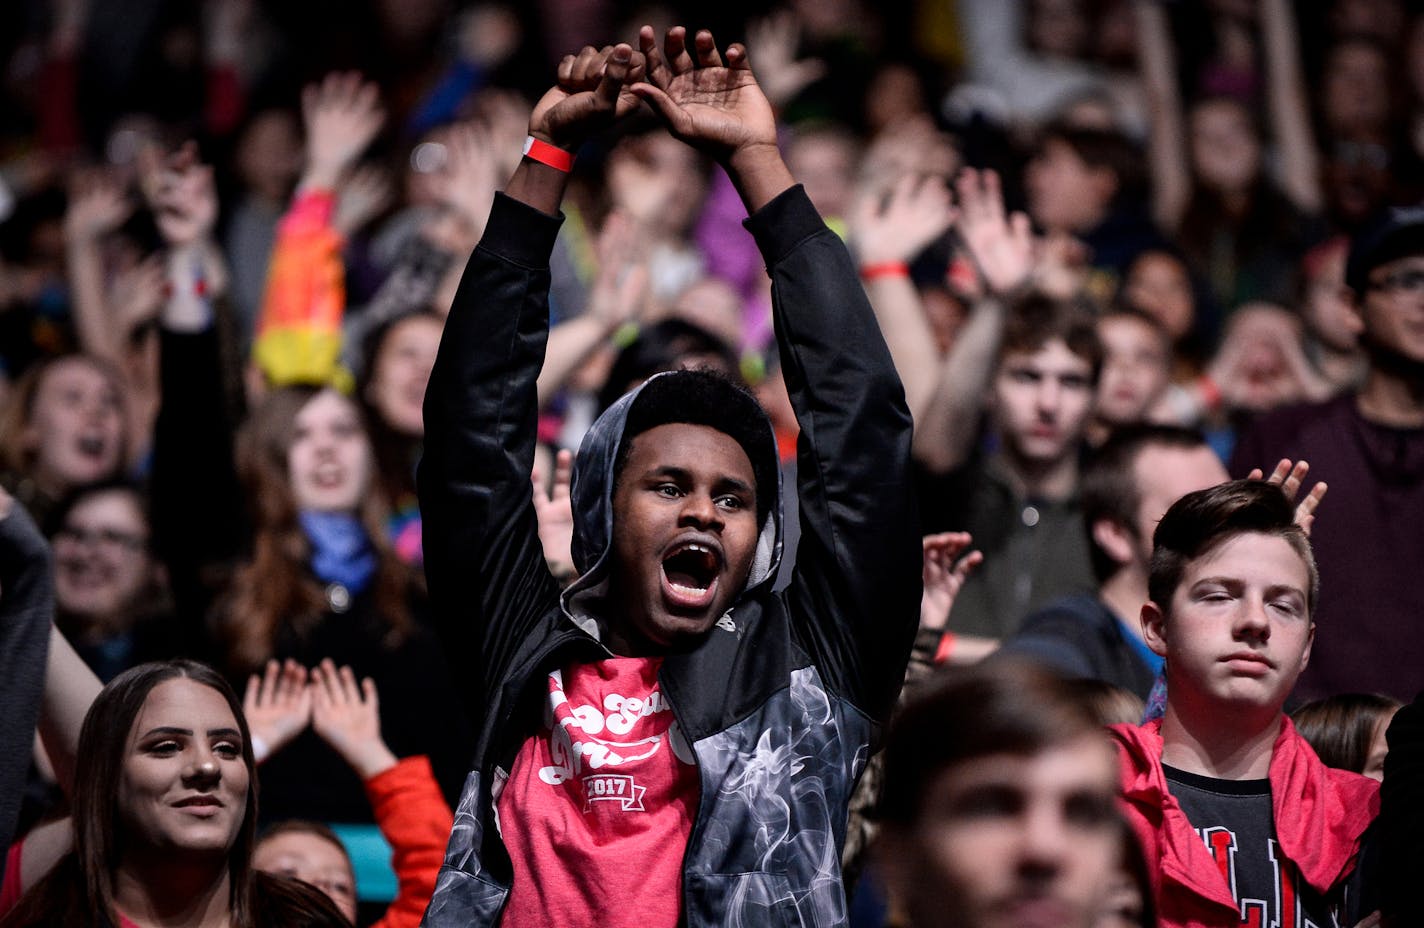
885, 269
1210, 392
552, 155
945, 649
200, 288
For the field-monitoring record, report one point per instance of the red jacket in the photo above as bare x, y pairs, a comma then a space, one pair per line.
1320, 814
416, 820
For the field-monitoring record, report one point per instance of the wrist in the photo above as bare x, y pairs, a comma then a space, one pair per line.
321, 177
759, 174
752, 156
372, 760
547, 153
877, 270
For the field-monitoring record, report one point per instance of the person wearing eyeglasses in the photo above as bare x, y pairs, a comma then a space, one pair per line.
1368, 445
111, 593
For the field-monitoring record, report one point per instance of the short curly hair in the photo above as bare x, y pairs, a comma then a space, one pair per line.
706, 397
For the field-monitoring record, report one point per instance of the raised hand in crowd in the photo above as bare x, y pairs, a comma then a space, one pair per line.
466, 183
278, 706
621, 294
717, 107
591, 93
365, 194
555, 514
1290, 476
897, 225
948, 563
181, 193
343, 115
781, 73
1261, 363
98, 204
347, 716
1000, 245
888, 229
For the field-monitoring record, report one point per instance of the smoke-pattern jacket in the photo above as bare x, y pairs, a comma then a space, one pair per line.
782, 698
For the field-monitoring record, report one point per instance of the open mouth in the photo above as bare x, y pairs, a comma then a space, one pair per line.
328, 478
690, 575
92, 445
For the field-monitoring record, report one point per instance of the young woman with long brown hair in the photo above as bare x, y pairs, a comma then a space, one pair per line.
164, 817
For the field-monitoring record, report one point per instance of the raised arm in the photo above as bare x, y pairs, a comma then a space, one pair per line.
1287, 107
855, 595
888, 231
97, 206
487, 575
1001, 247
1167, 136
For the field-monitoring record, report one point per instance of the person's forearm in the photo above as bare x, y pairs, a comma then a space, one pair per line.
901, 315
91, 317
369, 759
1289, 111
759, 174
1166, 140
70, 689
570, 344
945, 438
538, 185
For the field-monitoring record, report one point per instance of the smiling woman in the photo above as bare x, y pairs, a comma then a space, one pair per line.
165, 810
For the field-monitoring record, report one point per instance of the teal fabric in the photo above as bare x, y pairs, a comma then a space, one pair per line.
370, 859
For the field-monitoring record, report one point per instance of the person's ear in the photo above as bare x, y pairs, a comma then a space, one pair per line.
1309, 643
1116, 539
1154, 628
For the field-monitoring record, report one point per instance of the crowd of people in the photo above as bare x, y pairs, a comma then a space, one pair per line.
956, 463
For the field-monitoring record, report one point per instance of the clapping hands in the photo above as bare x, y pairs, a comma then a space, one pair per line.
282, 701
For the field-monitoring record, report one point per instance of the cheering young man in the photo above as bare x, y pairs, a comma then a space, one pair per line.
669, 742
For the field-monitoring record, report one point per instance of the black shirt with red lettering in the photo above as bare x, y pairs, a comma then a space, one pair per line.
1237, 823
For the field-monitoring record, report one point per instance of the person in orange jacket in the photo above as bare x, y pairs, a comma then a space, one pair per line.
408, 805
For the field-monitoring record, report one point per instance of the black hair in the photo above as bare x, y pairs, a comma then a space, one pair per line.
59, 515
705, 397
1104, 149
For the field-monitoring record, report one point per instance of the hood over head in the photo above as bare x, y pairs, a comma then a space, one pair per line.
693, 397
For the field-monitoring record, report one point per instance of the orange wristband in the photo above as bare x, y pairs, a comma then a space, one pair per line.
945, 649
552, 155
885, 269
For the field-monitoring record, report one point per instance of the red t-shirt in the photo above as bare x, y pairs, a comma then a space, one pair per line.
598, 807
10, 891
